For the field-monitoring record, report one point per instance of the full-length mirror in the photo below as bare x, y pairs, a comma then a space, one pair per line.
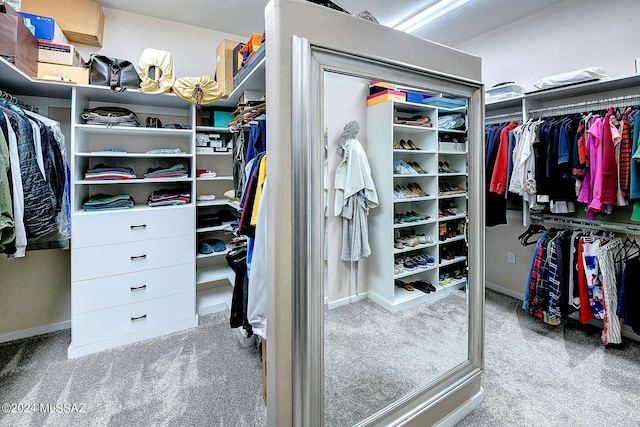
396, 312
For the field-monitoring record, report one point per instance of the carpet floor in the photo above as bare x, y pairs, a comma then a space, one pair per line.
535, 374
538, 375
197, 377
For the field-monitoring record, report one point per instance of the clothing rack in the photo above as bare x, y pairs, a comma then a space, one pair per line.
584, 105
514, 115
585, 223
17, 102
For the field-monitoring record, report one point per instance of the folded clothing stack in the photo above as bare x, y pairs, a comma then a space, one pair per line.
451, 121
164, 197
101, 171
175, 171
107, 201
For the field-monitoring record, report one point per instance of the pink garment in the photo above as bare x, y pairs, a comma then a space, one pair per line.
609, 165
591, 193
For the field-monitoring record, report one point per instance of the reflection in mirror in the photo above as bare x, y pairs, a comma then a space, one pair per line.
396, 312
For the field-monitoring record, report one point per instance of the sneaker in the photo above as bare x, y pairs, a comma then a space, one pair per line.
430, 259
422, 238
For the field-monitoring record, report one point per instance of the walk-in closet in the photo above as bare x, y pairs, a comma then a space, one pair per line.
319, 213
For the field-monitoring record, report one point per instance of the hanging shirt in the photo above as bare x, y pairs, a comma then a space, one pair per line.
353, 175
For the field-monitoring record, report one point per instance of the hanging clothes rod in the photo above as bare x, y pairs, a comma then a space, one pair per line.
585, 104
517, 114
585, 223
12, 99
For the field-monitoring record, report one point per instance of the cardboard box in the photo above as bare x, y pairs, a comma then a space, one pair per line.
45, 28
82, 21
59, 53
224, 66
17, 42
64, 73
384, 96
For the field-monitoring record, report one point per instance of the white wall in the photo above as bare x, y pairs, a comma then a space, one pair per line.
36, 290
571, 35
193, 49
343, 103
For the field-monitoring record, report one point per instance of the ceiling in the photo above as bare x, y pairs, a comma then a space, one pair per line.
244, 17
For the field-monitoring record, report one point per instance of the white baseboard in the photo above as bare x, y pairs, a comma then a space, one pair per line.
347, 300
511, 293
461, 411
31, 332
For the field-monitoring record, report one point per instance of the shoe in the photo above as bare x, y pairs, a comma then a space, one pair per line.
417, 168
448, 167
457, 274
419, 285
426, 284
401, 284
413, 146
398, 244
209, 246
430, 259
415, 188
422, 238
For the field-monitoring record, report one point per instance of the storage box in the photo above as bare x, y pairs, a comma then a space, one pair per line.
59, 53
82, 21
384, 96
221, 119
224, 66
204, 150
440, 101
65, 73
250, 65
45, 28
17, 42
416, 97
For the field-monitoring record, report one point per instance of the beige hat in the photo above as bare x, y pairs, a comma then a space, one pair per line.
156, 71
199, 90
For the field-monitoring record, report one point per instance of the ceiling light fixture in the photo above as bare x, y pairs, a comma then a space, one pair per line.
434, 11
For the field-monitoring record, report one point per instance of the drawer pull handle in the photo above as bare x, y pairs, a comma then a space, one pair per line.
133, 258
138, 227
138, 288
133, 319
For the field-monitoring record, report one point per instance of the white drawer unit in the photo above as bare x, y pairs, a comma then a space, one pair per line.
110, 260
112, 291
132, 266
102, 325
124, 226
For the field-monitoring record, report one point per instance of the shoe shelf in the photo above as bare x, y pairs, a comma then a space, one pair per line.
414, 199
413, 175
383, 135
452, 217
414, 223
413, 272
214, 274
452, 239
210, 229
214, 254
401, 151
446, 262
451, 174
455, 283
453, 131
407, 249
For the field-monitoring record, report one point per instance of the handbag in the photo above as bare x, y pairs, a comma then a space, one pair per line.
110, 116
115, 73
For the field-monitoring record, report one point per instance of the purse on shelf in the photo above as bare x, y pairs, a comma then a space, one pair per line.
110, 116
118, 74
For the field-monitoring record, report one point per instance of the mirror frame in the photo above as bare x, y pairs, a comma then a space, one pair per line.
310, 61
